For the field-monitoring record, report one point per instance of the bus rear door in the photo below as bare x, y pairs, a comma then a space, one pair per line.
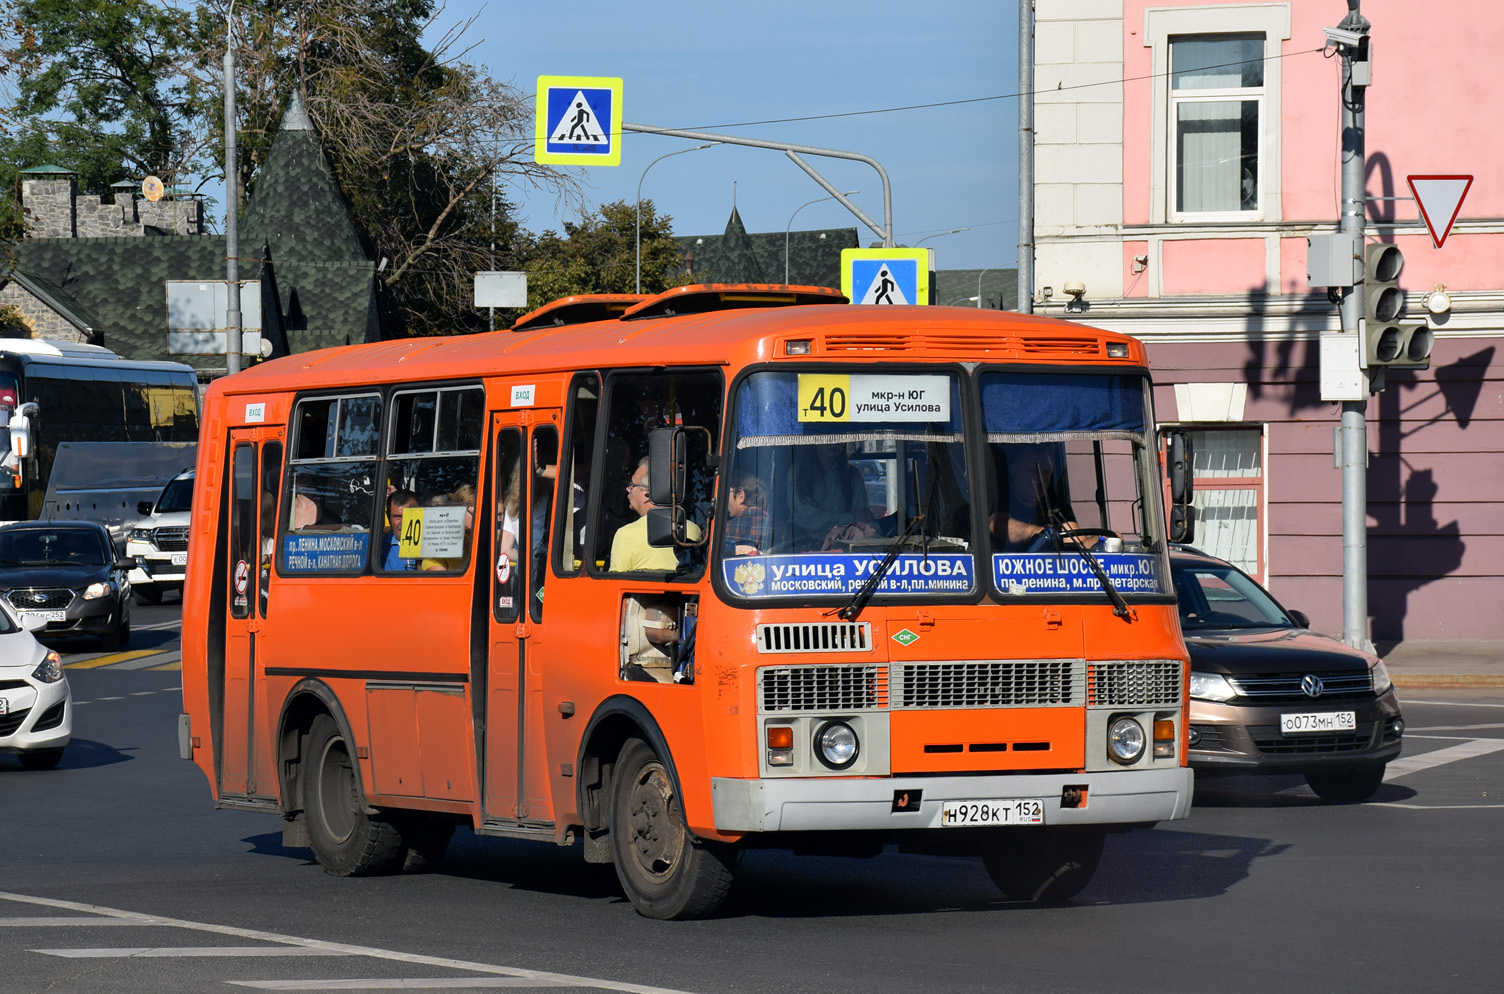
516, 766
246, 768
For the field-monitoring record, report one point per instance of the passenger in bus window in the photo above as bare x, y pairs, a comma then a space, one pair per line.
397, 502
749, 530
463, 495
511, 510
1035, 504
630, 551
830, 498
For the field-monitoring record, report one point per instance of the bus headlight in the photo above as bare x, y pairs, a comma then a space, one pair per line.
1125, 740
836, 745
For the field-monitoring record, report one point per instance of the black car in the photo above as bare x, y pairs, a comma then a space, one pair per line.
1268, 695
67, 574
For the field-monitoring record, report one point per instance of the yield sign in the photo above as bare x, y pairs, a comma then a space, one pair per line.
1440, 200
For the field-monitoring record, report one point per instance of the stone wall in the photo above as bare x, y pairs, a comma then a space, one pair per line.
47, 206
44, 321
53, 209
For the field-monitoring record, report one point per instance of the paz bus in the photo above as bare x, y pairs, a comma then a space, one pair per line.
672, 577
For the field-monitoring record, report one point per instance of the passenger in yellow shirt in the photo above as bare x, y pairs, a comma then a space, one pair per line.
630, 551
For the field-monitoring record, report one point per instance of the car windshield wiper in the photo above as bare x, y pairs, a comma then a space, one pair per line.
853, 608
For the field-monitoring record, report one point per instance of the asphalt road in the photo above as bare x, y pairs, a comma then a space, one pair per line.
118, 875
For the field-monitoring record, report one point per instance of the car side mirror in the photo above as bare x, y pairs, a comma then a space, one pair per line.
1299, 617
143, 508
126, 564
33, 622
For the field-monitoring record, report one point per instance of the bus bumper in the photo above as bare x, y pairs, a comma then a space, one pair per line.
829, 804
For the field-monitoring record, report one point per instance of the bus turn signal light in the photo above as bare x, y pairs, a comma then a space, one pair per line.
780, 745
1164, 738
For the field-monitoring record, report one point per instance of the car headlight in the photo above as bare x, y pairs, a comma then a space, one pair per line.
1211, 687
836, 745
94, 591
1126, 740
1379, 673
49, 670
140, 535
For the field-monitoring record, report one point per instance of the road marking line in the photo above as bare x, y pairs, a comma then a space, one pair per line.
1432, 807
1455, 704
170, 666
164, 952
70, 920
442, 962
1452, 728
397, 984
151, 662
106, 660
1406, 765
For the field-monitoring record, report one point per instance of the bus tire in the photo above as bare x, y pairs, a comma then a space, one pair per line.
665, 871
1040, 864
345, 840
427, 839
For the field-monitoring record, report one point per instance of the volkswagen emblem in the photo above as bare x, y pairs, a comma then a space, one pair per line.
1310, 684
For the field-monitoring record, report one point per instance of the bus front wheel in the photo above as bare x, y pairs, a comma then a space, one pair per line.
346, 841
1038, 864
666, 872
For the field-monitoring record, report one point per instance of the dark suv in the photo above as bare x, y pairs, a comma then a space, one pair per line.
66, 573
1268, 695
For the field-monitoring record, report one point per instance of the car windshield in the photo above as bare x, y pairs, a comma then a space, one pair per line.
1213, 596
1070, 474
51, 547
176, 496
830, 470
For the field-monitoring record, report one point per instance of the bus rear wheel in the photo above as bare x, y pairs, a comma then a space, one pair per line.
1038, 864
665, 871
346, 841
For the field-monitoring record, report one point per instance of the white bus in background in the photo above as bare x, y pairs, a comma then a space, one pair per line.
91, 435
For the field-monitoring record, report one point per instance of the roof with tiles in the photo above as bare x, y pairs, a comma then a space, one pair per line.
740, 256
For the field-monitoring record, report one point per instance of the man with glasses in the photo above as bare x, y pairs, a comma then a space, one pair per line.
630, 551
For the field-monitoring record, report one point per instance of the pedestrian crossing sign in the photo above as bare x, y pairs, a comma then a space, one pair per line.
886, 275
577, 121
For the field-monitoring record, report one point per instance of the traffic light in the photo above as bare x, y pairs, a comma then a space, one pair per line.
1388, 340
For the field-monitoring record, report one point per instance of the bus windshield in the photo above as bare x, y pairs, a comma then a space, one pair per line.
1071, 474
829, 471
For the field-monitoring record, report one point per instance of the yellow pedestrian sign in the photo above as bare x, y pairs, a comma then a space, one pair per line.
886, 275
577, 121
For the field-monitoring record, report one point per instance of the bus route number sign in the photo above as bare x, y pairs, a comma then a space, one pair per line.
838, 398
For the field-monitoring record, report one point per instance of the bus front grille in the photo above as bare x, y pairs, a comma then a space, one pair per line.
1134, 683
989, 683
858, 687
815, 636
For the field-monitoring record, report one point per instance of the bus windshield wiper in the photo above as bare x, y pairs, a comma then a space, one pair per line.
1061, 535
864, 593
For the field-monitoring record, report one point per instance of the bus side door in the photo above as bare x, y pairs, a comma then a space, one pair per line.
246, 768
516, 772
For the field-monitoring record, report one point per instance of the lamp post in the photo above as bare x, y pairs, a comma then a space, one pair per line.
941, 234
979, 286
788, 227
638, 212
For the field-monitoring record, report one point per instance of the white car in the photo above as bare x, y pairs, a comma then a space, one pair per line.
159, 541
36, 706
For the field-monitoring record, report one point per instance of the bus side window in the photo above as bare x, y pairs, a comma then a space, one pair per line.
433, 451
271, 485
333, 485
575, 470
545, 446
511, 539
242, 525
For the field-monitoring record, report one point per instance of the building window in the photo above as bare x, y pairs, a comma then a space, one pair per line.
1229, 496
1216, 113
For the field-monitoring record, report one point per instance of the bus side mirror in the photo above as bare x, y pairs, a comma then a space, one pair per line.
666, 450
20, 429
674, 456
1182, 482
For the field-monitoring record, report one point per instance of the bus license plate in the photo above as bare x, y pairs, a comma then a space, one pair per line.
1015, 811
48, 615
1327, 721
180, 559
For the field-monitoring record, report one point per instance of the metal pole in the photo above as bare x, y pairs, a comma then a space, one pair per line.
232, 209
1354, 427
789, 227
1025, 291
638, 211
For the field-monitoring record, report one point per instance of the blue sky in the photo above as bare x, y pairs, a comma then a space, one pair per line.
703, 65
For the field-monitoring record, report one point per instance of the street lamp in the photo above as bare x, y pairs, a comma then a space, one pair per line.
979, 287
941, 234
790, 225
639, 202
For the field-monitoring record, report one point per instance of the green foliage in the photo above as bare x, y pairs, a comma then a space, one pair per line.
598, 254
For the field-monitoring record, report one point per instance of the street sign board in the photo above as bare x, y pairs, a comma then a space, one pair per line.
1440, 201
577, 121
886, 275
500, 289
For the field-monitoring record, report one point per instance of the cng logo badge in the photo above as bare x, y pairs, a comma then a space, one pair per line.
905, 637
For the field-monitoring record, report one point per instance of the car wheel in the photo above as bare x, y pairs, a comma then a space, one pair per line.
1040, 864
149, 594
345, 840
1346, 788
120, 637
665, 871
40, 759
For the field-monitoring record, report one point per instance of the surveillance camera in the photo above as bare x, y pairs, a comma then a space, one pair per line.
1343, 36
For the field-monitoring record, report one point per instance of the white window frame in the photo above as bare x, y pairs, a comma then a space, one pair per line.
1272, 20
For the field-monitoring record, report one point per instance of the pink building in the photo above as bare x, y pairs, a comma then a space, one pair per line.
1184, 152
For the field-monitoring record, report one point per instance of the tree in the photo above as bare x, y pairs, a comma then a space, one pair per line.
416, 136
598, 254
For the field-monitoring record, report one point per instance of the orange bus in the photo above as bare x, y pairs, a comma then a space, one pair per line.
672, 577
